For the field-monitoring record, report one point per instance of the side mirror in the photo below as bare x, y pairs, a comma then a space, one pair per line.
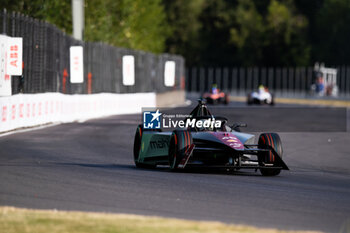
236, 126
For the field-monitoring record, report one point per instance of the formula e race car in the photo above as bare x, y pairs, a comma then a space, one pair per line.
208, 141
216, 96
262, 96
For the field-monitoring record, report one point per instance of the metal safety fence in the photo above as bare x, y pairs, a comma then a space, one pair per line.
282, 81
46, 62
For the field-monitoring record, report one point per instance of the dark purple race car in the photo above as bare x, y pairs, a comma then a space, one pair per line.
208, 141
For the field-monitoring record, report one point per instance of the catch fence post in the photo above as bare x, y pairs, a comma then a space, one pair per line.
309, 79
242, 89
263, 76
297, 82
13, 24
210, 78
255, 77
290, 80
193, 80
4, 22
234, 80
347, 90
201, 80
89, 83
303, 84
64, 81
182, 82
278, 78
270, 78
218, 78
342, 83
249, 79
284, 81
225, 80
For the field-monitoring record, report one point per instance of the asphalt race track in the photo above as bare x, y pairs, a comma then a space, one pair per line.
89, 167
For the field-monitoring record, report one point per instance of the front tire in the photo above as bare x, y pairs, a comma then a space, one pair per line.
180, 141
267, 157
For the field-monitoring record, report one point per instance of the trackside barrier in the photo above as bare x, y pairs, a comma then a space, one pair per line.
26, 110
289, 82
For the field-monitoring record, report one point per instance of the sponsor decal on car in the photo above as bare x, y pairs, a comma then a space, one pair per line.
229, 140
159, 144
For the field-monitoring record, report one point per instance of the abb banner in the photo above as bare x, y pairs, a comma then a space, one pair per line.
76, 64
10, 62
128, 70
169, 74
14, 55
26, 110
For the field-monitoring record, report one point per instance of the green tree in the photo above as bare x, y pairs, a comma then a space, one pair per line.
247, 33
286, 35
276, 38
217, 18
57, 12
242, 32
332, 34
184, 24
137, 24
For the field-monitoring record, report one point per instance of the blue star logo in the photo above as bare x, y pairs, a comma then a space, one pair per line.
152, 119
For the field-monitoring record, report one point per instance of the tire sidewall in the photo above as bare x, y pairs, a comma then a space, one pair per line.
179, 141
137, 143
274, 141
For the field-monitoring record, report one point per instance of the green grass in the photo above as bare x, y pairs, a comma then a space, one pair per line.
16, 220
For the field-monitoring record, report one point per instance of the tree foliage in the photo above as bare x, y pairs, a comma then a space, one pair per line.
214, 35
286, 35
58, 12
137, 24
332, 31
212, 32
247, 34
184, 26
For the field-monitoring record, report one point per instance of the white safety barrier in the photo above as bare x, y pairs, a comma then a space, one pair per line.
26, 110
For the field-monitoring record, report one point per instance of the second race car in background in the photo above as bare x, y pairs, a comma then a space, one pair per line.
216, 96
262, 96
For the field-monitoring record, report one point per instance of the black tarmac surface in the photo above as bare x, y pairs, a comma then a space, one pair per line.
89, 167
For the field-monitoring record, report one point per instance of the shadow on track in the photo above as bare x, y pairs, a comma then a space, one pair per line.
216, 171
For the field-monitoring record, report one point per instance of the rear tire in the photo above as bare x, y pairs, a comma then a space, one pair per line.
137, 148
249, 99
209, 100
180, 141
272, 100
273, 140
226, 99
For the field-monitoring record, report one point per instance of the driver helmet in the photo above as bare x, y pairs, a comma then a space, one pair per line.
261, 88
214, 89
